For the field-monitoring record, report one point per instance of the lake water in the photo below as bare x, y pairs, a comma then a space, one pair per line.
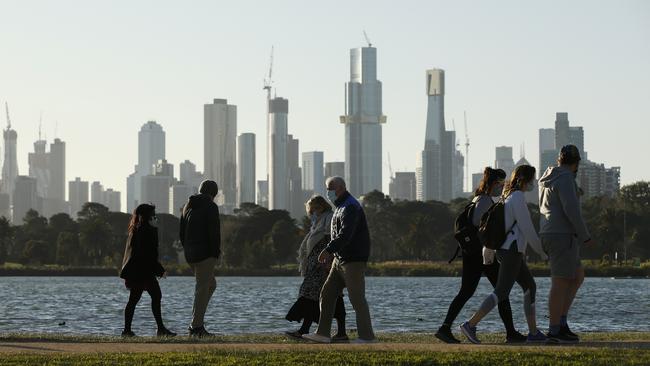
94, 305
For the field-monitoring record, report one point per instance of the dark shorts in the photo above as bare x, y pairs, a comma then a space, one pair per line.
142, 284
563, 254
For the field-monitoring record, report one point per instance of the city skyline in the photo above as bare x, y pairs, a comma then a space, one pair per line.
315, 123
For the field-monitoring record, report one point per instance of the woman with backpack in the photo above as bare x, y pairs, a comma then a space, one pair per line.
473, 266
141, 267
519, 232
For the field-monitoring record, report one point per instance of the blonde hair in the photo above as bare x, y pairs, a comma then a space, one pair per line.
317, 202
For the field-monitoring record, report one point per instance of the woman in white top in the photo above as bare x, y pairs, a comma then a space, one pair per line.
521, 232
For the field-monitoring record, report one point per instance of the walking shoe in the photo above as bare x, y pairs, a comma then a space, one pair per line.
515, 337
343, 338
127, 334
469, 332
316, 338
164, 332
560, 338
568, 333
294, 334
444, 334
199, 332
538, 337
364, 341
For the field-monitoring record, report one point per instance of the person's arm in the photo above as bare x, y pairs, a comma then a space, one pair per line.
214, 229
482, 205
571, 206
525, 223
158, 269
349, 219
181, 231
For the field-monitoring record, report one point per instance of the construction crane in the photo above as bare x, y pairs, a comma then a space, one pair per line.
367, 38
268, 81
8, 119
467, 180
390, 167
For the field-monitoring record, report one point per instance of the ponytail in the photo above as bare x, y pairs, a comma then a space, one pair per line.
489, 177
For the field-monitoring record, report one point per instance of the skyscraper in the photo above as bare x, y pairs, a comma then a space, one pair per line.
547, 151
296, 204
402, 186
57, 170
246, 168
334, 169
278, 171
439, 171
503, 159
10, 165
189, 175
179, 193
263, 193
151, 148
39, 167
220, 150
363, 121
106, 197
313, 181
155, 191
25, 198
78, 195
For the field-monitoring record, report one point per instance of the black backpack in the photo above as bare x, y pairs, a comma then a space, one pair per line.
465, 232
491, 231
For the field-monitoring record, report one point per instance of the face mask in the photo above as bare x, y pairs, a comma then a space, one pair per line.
313, 217
331, 195
497, 191
153, 221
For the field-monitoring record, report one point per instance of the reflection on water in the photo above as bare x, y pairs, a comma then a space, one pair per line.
94, 305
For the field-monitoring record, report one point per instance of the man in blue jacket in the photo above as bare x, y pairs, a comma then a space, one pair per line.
349, 248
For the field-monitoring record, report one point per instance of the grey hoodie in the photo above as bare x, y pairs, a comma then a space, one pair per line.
559, 204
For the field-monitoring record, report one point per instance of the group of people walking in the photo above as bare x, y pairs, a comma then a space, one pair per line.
335, 251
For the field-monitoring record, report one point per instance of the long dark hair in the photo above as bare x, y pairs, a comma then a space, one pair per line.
490, 176
523, 174
141, 216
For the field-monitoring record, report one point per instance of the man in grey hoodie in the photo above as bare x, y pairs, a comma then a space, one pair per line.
562, 231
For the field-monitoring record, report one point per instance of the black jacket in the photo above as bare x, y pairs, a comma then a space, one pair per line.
200, 231
141, 255
350, 237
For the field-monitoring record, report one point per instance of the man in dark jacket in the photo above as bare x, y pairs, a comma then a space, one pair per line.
350, 248
200, 235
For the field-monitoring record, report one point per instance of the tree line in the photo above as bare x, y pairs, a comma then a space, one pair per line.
254, 237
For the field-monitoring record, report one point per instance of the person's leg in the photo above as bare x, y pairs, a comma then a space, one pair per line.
563, 257
329, 293
308, 318
134, 298
508, 272
505, 310
205, 287
529, 287
156, 297
573, 287
340, 317
355, 281
556, 302
472, 270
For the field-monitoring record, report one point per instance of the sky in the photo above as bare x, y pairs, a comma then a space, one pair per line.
97, 71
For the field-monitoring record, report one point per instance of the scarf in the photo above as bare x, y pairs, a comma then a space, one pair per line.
319, 229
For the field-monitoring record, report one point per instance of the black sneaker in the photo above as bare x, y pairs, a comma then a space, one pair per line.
559, 338
516, 337
568, 333
444, 334
200, 332
127, 334
164, 332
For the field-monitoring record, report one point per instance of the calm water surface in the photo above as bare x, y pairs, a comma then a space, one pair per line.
94, 305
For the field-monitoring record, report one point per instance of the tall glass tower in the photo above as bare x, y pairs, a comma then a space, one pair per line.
363, 121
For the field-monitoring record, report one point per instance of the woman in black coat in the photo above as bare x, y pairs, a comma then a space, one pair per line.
141, 267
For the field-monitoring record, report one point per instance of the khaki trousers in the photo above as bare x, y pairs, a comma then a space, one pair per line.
206, 284
352, 276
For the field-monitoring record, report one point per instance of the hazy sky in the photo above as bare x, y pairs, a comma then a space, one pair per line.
102, 69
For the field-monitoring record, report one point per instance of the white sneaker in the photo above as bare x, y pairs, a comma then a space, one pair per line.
317, 338
364, 341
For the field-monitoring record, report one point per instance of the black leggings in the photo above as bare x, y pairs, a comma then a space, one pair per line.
136, 293
473, 269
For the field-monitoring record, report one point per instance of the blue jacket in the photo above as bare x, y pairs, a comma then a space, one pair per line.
350, 237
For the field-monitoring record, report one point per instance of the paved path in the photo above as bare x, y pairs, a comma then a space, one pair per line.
79, 347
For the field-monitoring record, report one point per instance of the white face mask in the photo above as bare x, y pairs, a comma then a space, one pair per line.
331, 195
